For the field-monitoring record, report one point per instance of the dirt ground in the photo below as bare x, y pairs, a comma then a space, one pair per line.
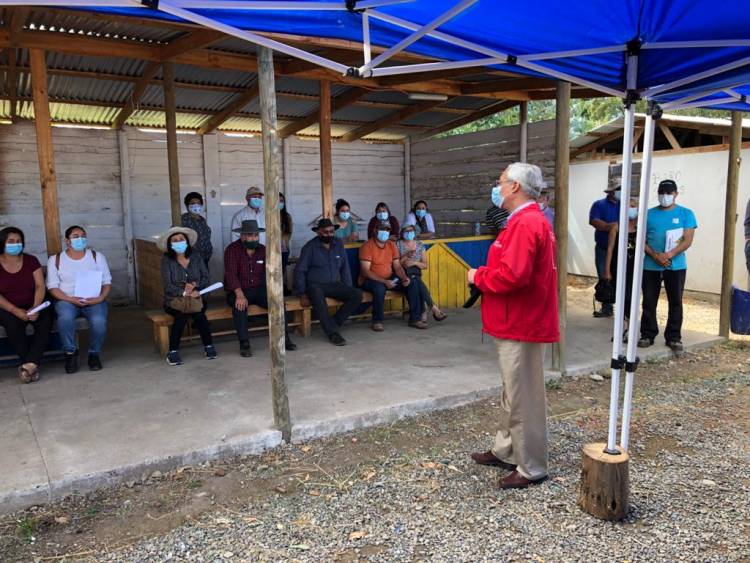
84, 527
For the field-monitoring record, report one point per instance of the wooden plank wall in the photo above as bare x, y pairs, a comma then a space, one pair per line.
89, 191
454, 174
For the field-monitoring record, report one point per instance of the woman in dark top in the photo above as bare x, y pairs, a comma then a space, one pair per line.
383, 213
184, 273
287, 226
21, 289
610, 267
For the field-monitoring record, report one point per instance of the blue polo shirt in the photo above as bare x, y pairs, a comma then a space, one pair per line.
658, 222
607, 211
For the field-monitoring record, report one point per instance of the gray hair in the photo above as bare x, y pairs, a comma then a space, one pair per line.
529, 176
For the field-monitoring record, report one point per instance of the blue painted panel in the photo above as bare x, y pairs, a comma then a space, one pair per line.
473, 252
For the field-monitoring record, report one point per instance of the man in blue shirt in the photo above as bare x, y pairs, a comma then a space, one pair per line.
669, 233
603, 215
323, 271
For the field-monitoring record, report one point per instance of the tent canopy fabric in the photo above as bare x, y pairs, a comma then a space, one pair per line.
677, 38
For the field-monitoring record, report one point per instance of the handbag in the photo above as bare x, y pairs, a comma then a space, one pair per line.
186, 305
605, 292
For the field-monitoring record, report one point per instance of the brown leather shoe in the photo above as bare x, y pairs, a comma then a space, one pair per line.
418, 324
488, 458
517, 481
378, 327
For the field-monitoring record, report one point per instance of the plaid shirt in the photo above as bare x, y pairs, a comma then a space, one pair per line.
242, 271
200, 226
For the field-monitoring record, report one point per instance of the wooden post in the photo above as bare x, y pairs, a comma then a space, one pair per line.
605, 485
730, 222
172, 158
272, 173
523, 137
562, 163
127, 211
326, 164
45, 151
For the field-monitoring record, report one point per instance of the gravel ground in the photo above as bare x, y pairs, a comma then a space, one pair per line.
408, 491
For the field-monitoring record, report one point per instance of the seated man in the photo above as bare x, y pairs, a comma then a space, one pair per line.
323, 271
245, 280
380, 270
79, 280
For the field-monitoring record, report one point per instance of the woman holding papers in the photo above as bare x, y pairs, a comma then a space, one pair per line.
21, 290
184, 274
79, 280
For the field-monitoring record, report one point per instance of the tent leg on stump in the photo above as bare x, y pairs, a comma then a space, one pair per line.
605, 485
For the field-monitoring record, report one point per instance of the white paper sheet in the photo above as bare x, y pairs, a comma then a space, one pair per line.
88, 284
213, 287
674, 238
40, 307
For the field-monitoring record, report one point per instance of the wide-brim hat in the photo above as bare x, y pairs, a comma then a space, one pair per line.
161, 240
253, 190
613, 188
249, 227
324, 224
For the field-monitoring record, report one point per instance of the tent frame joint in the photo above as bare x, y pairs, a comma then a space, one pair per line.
618, 362
631, 367
613, 451
511, 59
631, 96
351, 6
633, 47
153, 4
654, 110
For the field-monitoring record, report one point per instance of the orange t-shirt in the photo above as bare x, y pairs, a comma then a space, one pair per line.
381, 259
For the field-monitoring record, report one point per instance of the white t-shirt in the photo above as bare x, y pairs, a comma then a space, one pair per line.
245, 214
65, 277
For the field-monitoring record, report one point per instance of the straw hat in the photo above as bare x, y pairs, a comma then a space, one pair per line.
161, 240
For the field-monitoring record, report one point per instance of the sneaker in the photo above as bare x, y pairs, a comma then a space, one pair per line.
71, 362
95, 363
289, 345
645, 343
603, 314
173, 358
337, 340
245, 350
378, 327
210, 352
676, 346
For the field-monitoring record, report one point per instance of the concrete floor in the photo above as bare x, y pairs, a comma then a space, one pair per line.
83, 431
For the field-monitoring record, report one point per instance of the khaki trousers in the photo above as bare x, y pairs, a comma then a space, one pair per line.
522, 438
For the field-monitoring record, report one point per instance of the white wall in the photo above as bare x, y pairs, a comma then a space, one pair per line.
701, 178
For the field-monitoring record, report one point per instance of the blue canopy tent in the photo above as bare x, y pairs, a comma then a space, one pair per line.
673, 53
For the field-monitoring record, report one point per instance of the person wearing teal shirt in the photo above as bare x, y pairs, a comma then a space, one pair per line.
347, 228
669, 233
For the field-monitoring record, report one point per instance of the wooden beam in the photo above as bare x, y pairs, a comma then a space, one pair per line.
670, 136
326, 159
18, 18
577, 93
273, 180
730, 223
507, 85
239, 102
562, 166
346, 99
190, 42
637, 134
389, 119
609, 137
12, 77
135, 96
45, 151
172, 157
479, 114
401, 79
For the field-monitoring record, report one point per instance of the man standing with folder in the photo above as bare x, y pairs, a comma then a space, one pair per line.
669, 233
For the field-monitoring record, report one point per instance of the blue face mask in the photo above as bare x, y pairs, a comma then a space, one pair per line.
632, 212
344, 215
256, 202
382, 215
616, 195
497, 197
383, 235
179, 247
281, 205
409, 235
195, 208
13, 248
421, 213
78, 243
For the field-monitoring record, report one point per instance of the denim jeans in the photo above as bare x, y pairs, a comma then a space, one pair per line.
600, 255
96, 315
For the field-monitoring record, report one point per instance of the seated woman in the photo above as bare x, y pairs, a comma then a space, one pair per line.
610, 264
347, 227
21, 289
382, 214
414, 259
183, 274
422, 220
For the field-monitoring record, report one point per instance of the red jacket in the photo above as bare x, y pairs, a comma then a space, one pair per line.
519, 282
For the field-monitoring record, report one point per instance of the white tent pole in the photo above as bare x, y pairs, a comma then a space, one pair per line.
573, 53
703, 103
679, 101
622, 254
417, 35
279, 5
697, 44
635, 302
166, 6
428, 67
650, 92
366, 38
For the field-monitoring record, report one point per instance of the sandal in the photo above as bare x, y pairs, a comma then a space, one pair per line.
25, 373
441, 317
34, 372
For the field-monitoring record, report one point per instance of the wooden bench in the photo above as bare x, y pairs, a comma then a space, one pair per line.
54, 347
301, 320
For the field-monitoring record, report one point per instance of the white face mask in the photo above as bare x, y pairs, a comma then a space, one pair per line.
666, 200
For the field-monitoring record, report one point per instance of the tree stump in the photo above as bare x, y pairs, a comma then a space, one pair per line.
605, 487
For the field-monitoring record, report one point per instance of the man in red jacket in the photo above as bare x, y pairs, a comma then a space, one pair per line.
519, 308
